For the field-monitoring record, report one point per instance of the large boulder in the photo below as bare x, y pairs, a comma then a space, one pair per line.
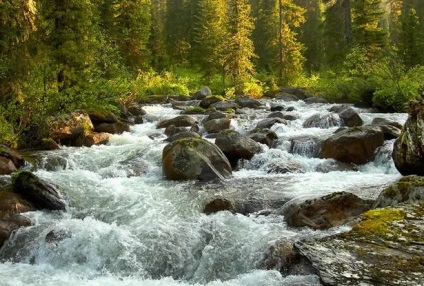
384, 248
408, 150
236, 146
323, 121
37, 191
353, 145
407, 189
217, 125
245, 101
326, 212
6, 166
10, 222
112, 128
179, 121
350, 117
67, 128
14, 157
202, 93
194, 158
181, 135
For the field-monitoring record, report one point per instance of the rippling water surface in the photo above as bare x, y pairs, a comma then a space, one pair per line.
128, 226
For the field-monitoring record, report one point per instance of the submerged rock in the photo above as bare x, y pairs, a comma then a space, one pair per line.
37, 191
385, 248
194, 158
218, 204
408, 150
326, 212
353, 145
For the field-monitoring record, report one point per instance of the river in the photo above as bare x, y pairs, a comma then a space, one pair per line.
127, 225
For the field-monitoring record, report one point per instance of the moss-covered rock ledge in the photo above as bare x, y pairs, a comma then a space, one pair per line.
385, 248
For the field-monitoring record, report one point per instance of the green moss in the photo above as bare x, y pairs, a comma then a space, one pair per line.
193, 110
377, 222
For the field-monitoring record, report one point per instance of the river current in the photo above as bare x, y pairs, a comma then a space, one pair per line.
127, 225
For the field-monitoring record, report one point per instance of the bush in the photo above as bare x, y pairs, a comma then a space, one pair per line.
7, 135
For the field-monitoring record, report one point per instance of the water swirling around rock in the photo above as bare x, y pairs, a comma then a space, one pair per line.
127, 225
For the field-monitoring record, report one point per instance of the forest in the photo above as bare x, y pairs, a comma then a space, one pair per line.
57, 56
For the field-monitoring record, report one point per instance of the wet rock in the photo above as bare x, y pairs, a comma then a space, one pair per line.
208, 101
276, 114
290, 108
408, 189
236, 146
334, 166
339, 108
225, 106
287, 97
305, 146
194, 158
9, 222
282, 167
179, 121
245, 101
353, 145
93, 138
112, 128
13, 156
193, 110
315, 99
6, 166
202, 93
382, 121
181, 135
37, 191
384, 248
323, 121
171, 130
11, 202
408, 150
264, 136
217, 115
390, 132
350, 117
329, 211
56, 236
283, 257
217, 125
138, 119
101, 116
136, 109
269, 122
277, 107
67, 128
218, 204
184, 105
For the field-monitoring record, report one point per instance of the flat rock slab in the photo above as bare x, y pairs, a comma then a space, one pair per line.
385, 248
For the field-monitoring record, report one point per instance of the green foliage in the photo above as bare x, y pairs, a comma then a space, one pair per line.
7, 135
151, 83
193, 110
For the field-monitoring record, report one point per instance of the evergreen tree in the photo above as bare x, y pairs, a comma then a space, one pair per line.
337, 31
239, 47
210, 35
17, 25
410, 40
157, 45
127, 26
368, 33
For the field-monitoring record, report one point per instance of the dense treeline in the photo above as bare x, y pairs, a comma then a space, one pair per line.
57, 55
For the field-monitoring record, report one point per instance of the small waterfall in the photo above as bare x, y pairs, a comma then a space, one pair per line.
305, 146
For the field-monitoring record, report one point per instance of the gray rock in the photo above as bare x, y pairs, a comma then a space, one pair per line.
323, 121
217, 125
350, 117
202, 93
315, 99
269, 122
244, 101
179, 121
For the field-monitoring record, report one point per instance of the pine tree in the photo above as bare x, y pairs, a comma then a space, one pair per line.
157, 45
239, 47
368, 33
210, 35
410, 38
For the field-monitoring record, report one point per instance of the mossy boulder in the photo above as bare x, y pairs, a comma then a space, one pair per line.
67, 128
37, 191
353, 145
385, 248
408, 150
407, 189
194, 158
326, 212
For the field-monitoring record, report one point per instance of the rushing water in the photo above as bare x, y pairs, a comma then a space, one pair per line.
126, 225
